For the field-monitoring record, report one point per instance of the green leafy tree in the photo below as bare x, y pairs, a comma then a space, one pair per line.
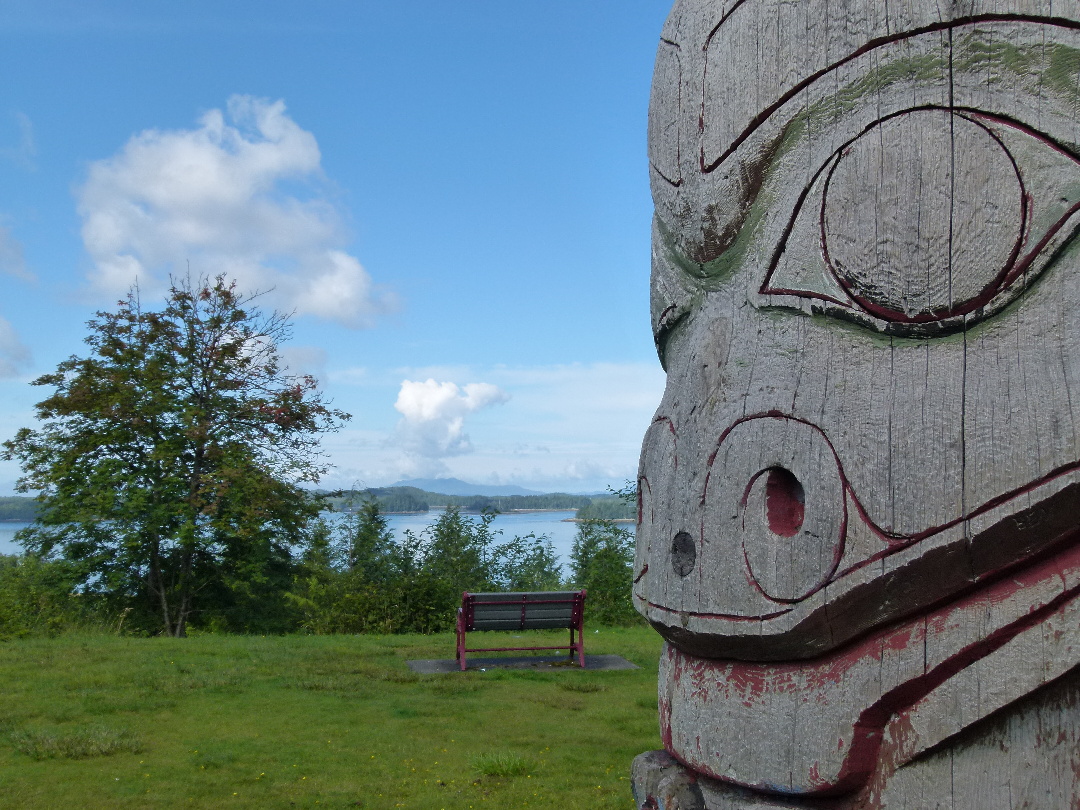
169, 461
526, 563
602, 561
371, 553
458, 550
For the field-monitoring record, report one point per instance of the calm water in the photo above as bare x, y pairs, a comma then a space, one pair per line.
551, 524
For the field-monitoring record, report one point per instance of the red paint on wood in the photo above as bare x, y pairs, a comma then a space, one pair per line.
785, 502
822, 682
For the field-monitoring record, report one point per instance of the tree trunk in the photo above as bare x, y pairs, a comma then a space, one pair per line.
156, 584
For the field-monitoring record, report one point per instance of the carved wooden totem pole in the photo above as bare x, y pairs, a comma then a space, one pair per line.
859, 525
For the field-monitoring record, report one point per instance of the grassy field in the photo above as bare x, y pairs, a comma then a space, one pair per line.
302, 721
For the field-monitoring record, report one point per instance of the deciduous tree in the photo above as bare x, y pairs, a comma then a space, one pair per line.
169, 460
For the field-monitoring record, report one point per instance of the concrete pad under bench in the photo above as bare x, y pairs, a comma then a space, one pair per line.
438, 666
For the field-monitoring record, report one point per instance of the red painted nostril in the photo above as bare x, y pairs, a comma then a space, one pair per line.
784, 502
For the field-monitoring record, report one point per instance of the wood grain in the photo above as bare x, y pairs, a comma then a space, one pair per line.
859, 512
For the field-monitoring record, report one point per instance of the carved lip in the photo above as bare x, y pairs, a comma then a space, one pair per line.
846, 698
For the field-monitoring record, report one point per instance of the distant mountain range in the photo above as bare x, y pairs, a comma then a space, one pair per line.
455, 486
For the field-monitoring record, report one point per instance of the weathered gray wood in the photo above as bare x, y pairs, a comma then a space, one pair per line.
860, 497
1025, 756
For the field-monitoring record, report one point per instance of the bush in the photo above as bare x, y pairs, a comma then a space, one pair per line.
360, 579
614, 508
36, 597
602, 562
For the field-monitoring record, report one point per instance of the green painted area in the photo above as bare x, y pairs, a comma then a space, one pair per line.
710, 275
914, 70
676, 256
925, 68
1053, 66
1063, 73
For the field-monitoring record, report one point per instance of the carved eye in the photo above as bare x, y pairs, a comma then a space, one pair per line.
928, 220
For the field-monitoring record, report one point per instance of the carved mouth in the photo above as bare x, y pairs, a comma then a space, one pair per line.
896, 687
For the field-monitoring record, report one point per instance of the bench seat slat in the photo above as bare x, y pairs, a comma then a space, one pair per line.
516, 613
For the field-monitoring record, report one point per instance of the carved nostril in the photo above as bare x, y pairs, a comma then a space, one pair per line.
785, 502
683, 554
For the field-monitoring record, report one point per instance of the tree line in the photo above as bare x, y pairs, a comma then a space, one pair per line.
174, 466
410, 499
350, 576
16, 508
360, 578
614, 508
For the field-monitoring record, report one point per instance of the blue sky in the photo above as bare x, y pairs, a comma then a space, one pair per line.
452, 197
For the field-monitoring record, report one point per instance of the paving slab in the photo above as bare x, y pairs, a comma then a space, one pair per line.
435, 666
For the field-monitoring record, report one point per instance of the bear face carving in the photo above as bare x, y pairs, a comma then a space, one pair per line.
865, 295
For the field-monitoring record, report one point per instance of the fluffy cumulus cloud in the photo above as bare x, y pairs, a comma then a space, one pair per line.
433, 414
241, 194
575, 427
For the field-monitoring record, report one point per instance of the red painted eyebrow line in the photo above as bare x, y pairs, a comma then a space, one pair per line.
878, 42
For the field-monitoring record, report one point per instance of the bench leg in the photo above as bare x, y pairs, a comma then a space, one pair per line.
461, 639
579, 647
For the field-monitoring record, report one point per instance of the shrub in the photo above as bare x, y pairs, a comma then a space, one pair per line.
360, 579
36, 597
602, 561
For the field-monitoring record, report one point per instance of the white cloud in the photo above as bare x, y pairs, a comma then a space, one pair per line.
573, 427
353, 375
14, 356
242, 194
433, 420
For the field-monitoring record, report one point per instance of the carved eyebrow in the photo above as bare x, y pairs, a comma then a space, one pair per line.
877, 42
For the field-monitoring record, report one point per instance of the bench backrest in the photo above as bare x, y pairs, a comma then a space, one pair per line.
536, 610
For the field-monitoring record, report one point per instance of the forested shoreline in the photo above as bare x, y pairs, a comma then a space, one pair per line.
352, 576
18, 509
410, 500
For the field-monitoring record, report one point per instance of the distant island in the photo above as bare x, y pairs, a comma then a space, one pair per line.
404, 498
455, 486
18, 508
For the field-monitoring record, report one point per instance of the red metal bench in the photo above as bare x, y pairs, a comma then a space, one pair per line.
537, 610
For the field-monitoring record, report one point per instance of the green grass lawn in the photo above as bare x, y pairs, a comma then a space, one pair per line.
305, 721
